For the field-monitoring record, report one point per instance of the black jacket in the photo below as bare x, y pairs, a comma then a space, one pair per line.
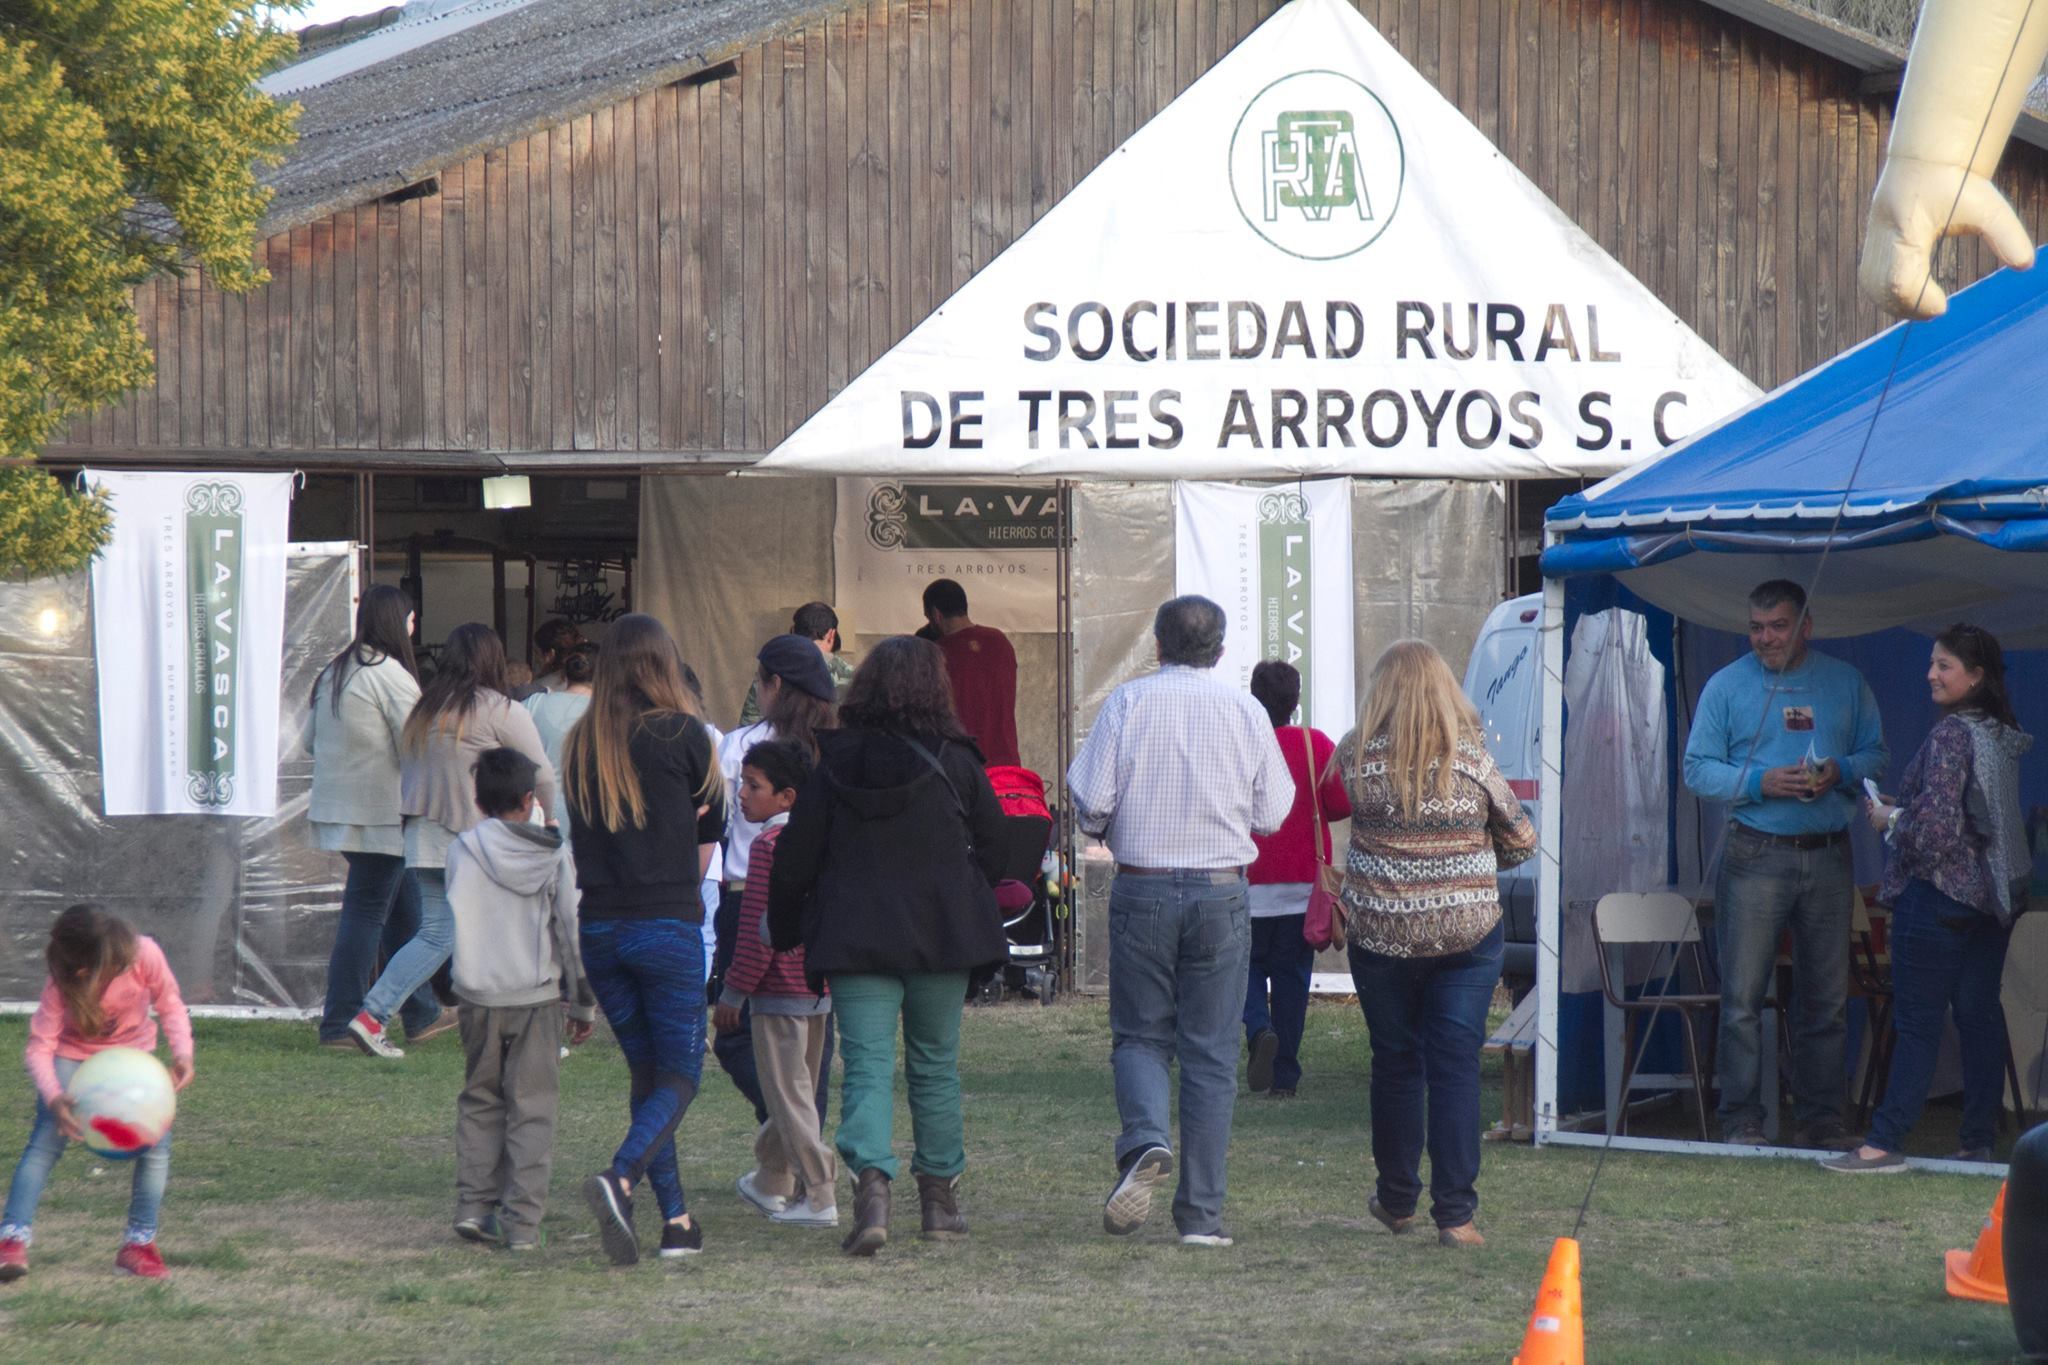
882, 869
652, 872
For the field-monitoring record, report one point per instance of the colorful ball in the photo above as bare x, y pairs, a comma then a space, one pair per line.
123, 1100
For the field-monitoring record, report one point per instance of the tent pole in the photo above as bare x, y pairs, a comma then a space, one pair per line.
1063, 695
1550, 791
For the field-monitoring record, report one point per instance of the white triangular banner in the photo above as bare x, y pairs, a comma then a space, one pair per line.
1309, 263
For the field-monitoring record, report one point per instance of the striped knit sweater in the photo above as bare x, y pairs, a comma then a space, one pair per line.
1426, 887
773, 981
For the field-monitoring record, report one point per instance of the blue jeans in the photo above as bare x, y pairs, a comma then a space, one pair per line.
46, 1144
414, 965
1426, 1017
648, 976
380, 909
1936, 969
1281, 964
735, 1050
1763, 889
1179, 948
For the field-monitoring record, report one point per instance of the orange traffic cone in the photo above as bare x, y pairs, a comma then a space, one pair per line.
1557, 1332
1980, 1274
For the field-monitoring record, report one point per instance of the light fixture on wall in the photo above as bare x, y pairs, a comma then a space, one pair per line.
49, 621
507, 491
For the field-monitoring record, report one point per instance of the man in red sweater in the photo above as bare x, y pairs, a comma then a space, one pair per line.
983, 669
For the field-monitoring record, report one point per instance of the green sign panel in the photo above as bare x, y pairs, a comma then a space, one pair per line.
213, 568
962, 516
1285, 569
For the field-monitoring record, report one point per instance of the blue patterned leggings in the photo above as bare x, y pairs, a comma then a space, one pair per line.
648, 976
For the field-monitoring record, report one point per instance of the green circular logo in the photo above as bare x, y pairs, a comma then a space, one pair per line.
1316, 165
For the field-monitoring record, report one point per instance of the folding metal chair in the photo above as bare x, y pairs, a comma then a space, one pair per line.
1663, 920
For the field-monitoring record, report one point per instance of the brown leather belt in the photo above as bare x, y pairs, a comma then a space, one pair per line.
1218, 875
1801, 841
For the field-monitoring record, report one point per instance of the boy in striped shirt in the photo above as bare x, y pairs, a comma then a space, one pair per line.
789, 1018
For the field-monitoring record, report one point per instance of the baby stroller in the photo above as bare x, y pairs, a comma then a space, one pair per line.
1027, 899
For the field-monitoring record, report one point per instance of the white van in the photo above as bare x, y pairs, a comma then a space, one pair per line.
1503, 679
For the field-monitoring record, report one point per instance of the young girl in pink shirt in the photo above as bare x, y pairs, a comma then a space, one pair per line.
104, 979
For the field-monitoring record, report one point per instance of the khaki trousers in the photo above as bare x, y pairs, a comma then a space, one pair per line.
788, 1049
505, 1115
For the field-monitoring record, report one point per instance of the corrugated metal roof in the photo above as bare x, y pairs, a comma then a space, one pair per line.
446, 90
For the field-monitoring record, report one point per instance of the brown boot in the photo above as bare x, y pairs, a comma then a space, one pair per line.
939, 1200
870, 1214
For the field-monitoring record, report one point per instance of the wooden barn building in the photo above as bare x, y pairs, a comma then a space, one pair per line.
602, 239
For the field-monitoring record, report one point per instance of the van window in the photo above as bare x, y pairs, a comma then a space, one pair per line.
1501, 681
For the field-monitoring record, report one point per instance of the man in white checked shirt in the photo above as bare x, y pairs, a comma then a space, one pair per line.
1176, 776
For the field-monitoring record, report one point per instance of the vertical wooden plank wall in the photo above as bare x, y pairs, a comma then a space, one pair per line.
702, 266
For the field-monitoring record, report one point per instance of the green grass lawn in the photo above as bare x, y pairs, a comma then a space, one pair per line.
311, 1195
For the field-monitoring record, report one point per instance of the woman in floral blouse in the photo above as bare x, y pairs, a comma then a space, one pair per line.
1432, 820
1956, 876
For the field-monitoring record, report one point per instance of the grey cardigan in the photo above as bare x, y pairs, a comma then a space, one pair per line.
436, 782
355, 754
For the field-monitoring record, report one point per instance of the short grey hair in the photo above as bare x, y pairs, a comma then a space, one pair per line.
1189, 631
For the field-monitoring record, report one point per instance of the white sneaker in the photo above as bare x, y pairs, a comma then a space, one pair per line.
1205, 1239
802, 1215
1130, 1203
768, 1204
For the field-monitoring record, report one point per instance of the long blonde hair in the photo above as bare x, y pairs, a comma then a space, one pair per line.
639, 676
1414, 701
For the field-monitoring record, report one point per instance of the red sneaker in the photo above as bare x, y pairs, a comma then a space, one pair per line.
13, 1259
141, 1259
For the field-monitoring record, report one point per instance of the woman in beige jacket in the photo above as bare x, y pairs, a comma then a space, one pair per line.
360, 704
461, 713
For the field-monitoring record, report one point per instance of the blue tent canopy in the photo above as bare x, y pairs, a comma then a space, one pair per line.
1946, 479
1950, 476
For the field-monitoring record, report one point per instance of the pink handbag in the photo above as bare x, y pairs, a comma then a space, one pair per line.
1324, 926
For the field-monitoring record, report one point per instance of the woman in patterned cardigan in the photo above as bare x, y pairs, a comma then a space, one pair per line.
1956, 876
1432, 822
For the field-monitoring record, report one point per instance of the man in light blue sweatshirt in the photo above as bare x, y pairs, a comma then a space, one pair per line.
1784, 738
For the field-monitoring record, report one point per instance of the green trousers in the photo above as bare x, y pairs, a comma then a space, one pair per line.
867, 1008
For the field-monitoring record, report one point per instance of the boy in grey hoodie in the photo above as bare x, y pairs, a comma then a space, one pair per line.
513, 890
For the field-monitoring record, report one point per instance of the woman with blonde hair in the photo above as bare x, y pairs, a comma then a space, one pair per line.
1432, 821
646, 808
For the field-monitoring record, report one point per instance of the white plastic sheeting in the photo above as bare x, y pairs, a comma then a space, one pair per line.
244, 908
1426, 562
1617, 823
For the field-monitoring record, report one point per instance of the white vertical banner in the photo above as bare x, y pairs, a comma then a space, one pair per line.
188, 638
1277, 558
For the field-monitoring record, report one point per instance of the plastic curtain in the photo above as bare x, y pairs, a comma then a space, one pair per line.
243, 907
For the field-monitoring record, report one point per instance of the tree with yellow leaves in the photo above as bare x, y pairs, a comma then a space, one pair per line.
131, 132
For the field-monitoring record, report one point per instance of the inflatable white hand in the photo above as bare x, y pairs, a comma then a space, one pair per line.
1909, 215
1965, 83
